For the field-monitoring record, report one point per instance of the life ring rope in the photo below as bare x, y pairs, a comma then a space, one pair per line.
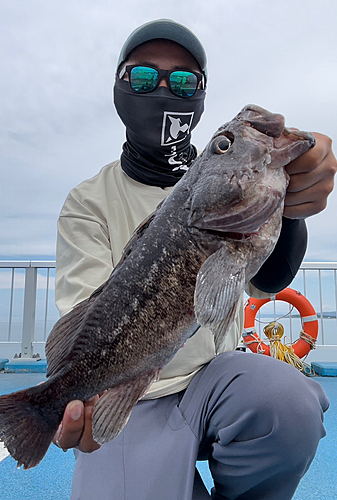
257, 340
307, 338
293, 352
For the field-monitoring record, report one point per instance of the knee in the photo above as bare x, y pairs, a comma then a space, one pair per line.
280, 407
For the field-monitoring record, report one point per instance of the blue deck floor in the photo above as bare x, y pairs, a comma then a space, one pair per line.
52, 478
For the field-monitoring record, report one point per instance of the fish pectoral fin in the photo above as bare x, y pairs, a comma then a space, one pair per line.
60, 341
113, 409
220, 329
220, 282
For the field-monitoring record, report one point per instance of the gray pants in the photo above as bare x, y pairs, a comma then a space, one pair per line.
257, 420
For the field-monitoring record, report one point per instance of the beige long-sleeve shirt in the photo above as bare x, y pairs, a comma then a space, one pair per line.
96, 221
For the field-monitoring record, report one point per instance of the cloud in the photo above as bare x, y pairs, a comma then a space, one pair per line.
58, 124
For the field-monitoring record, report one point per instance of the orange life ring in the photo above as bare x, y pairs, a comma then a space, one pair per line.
309, 333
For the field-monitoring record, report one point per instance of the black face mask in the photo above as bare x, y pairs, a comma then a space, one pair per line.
158, 132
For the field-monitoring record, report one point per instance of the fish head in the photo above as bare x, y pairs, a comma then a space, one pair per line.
239, 180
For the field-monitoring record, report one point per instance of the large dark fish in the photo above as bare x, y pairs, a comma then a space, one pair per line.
185, 266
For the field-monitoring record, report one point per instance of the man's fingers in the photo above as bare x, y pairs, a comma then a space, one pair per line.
313, 157
311, 180
71, 428
75, 430
303, 211
87, 443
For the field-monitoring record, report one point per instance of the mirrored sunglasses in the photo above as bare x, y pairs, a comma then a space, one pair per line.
145, 79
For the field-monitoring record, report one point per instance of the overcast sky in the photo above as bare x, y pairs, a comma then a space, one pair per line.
58, 124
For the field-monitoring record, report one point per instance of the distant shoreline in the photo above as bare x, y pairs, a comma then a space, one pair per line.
327, 315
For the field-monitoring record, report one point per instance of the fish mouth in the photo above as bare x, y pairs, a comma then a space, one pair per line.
290, 145
233, 236
241, 221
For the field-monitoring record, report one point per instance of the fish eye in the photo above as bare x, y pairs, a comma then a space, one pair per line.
220, 145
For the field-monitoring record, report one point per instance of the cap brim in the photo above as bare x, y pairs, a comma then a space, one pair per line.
168, 30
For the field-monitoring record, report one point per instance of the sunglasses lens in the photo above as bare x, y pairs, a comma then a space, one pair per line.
143, 79
183, 83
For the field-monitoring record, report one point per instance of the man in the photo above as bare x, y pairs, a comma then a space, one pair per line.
258, 421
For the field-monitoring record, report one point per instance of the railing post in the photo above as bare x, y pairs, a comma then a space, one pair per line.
28, 328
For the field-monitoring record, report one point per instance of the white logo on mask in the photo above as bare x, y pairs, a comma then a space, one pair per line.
176, 126
176, 160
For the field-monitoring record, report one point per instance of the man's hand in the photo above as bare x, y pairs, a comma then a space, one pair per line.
311, 180
75, 430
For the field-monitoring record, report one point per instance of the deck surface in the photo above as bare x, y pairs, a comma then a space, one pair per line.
52, 478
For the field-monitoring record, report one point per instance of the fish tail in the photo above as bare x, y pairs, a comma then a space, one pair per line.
26, 428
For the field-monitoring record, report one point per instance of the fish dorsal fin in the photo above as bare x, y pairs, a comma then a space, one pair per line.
113, 409
219, 284
138, 232
128, 248
61, 337
61, 340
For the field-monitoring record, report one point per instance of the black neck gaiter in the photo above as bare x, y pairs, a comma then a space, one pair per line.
157, 150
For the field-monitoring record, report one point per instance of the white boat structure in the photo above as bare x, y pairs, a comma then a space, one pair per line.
28, 312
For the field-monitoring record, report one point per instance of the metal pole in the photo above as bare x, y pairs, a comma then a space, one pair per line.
46, 307
29, 309
335, 276
290, 309
321, 304
11, 307
304, 284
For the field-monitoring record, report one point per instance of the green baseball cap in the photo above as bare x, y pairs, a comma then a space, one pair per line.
169, 30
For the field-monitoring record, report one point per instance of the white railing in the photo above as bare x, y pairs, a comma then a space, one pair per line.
317, 281
323, 270
27, 307
28, 312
